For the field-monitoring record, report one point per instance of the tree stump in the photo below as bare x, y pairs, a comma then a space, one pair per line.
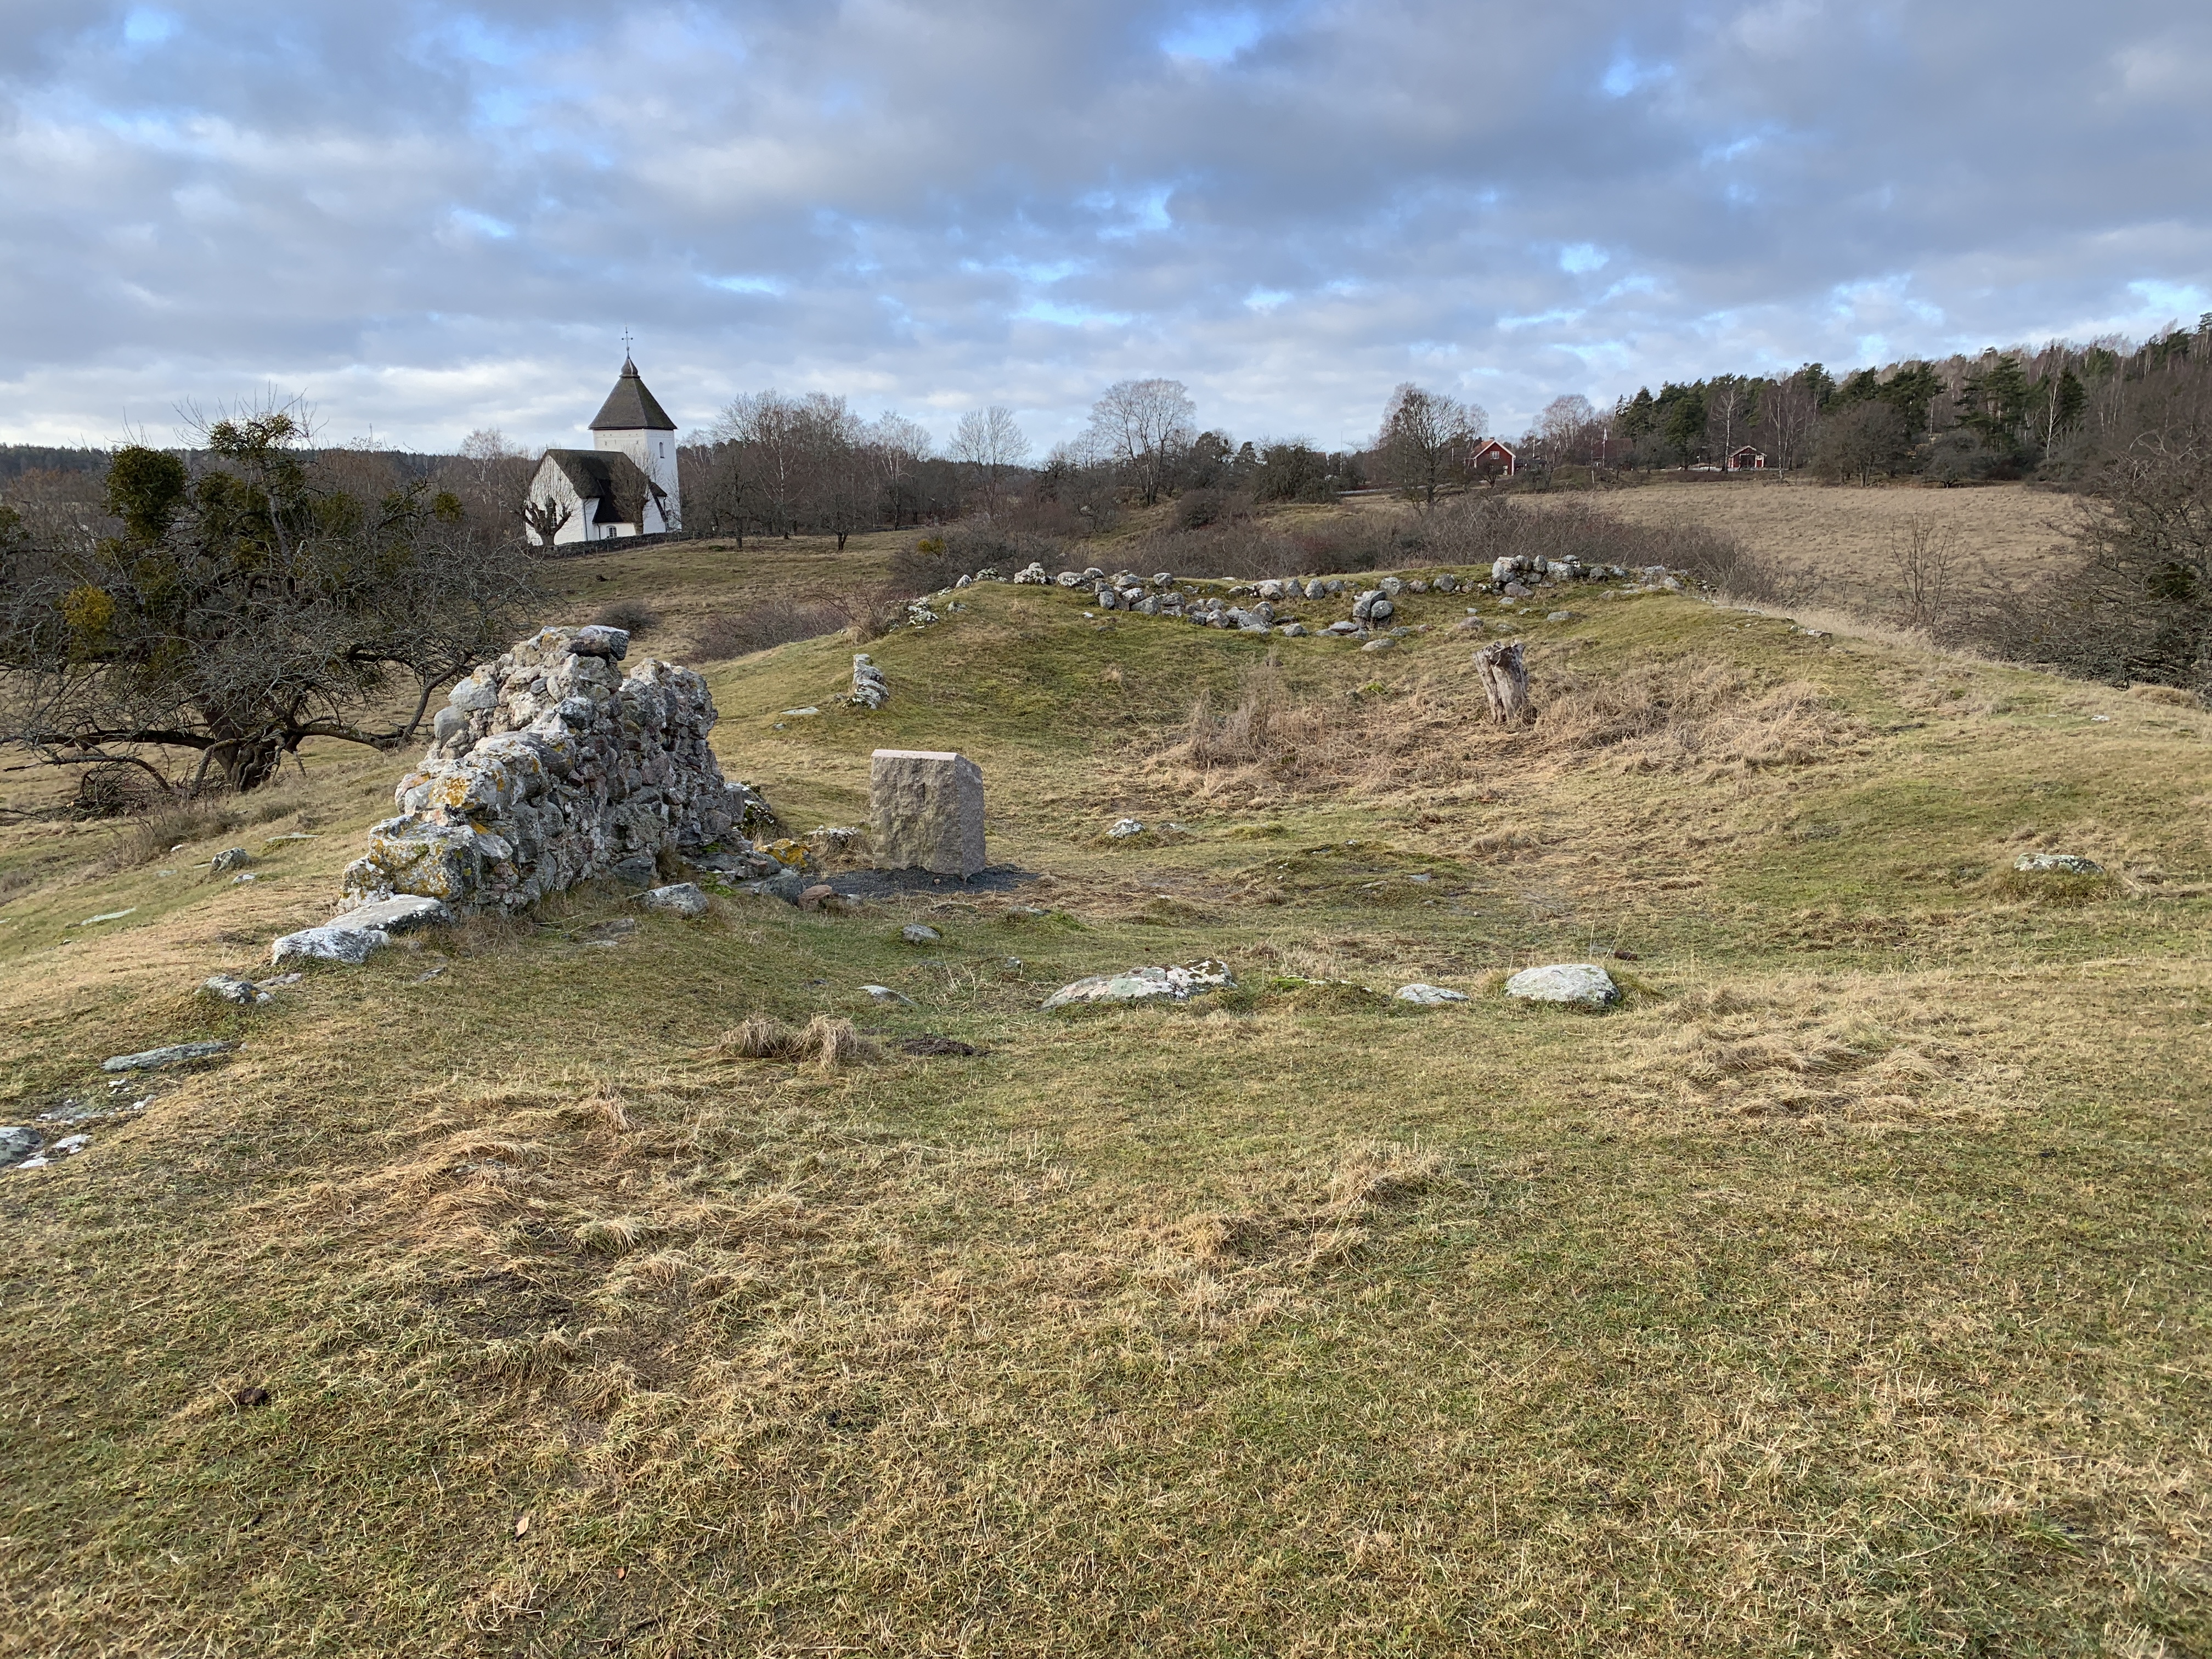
1505, 681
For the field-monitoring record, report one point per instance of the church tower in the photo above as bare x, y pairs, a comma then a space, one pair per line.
633, 422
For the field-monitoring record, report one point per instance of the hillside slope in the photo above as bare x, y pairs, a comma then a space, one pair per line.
1839, 1293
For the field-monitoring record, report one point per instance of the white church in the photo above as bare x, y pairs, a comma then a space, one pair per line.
623, 485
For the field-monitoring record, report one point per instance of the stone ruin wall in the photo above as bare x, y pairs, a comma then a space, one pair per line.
552, 766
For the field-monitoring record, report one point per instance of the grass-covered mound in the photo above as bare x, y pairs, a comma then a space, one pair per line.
1839, 1292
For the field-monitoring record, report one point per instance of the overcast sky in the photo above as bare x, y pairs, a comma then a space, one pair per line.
431, 218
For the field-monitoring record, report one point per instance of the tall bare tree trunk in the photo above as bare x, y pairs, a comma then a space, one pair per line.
1504, 678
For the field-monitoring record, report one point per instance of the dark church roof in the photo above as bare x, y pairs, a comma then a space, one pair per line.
629, 406
609, 476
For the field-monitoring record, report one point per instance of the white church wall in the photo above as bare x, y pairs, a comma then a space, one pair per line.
654, 451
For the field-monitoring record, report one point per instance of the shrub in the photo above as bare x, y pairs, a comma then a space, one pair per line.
1200, 507
631, 615
776, 620
2137, 606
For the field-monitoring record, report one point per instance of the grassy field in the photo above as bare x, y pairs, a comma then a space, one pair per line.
1848, 537
1840, 1293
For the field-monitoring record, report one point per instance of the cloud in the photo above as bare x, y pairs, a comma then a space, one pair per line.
433, 219
1213, 37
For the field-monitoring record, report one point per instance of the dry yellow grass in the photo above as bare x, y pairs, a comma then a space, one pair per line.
1839, 1295
1847, 536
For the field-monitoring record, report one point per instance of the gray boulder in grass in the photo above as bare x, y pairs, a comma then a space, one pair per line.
1429, 996
1573, 984
1146, 985
681, 898
357, 932
2057, 864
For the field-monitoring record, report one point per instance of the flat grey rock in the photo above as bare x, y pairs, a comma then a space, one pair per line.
229, 987
1125, 828
1578, 984
395, 915
177, 1053
1428, 995
230, 858
915, 933
365, 928
1145, 985
2057, 864
17, 1143
679, 898
339, 942
885, 994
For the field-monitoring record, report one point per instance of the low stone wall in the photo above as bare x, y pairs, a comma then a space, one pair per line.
552, 766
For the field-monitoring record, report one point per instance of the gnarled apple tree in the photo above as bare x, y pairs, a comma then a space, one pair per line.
243, 605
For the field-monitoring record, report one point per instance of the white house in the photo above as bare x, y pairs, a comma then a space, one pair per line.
625, 485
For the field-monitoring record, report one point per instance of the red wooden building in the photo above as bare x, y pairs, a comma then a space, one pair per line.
1491, 459
1749, 458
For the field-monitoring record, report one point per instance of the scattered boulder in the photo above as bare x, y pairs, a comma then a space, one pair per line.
1384, 644
870, 688
1145, 985
1428, 996
884, 993
17, 1143
916, 933
177, 1053
789, 885
1125, 828
230, 858
925, 812
681, 898
229, 987
1559, 616
2059, 864
1577, 984
355, 933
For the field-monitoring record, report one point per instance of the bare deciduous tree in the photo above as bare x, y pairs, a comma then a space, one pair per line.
836, 495
1425, 440
1929, 564
1144, 427
766, 427
1860, 440
897, 448
990, 445
1788, 412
